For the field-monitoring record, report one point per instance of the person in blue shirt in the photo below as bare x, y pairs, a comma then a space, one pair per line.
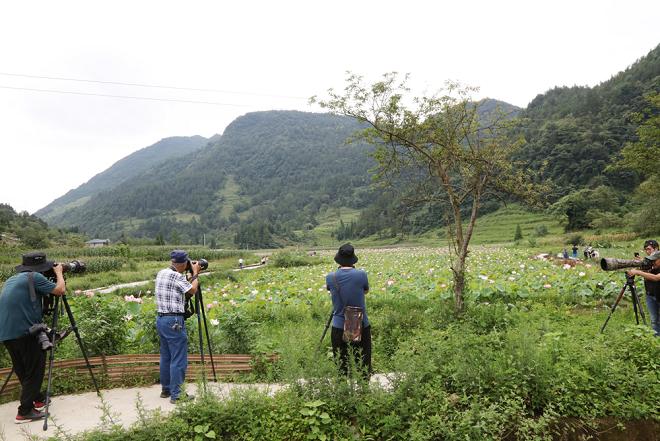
20, 309
348, 287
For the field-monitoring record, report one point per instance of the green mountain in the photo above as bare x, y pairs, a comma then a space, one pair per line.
578, 131
267, 177
274, 178
124, 169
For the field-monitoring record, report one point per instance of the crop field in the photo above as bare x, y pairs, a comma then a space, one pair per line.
526, 358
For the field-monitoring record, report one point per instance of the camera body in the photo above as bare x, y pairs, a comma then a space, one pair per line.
40, 330
203, 264
74, 267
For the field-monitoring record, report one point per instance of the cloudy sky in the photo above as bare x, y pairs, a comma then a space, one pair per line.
85, 83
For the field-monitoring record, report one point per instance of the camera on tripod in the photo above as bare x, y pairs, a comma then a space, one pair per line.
203, 264
611, 264
73, 267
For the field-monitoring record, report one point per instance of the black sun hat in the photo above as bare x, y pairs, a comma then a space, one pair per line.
36, 262
346, 255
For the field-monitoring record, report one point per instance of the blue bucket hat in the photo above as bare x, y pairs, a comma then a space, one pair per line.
179, 256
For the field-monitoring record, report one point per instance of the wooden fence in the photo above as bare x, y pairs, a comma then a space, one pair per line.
115, 369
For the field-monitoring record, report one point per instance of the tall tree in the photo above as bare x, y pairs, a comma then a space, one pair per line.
441, 145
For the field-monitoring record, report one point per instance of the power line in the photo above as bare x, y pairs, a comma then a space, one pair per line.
119, 83
125, 96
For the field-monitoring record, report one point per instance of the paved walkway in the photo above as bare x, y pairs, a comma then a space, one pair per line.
77, 413
74, 414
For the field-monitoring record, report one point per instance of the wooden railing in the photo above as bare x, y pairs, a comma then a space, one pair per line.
114, 369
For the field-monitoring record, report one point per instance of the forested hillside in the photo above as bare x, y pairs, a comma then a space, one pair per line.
266, 177
270, 176
126, 168
28, 230
578, 131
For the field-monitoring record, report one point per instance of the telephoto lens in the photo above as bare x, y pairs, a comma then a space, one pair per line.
203, 264
75, 267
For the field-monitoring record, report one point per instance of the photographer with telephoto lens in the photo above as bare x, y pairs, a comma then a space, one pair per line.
22, 330
651, 283
172, 290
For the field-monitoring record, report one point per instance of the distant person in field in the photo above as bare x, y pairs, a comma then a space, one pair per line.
172, 290
240, 263
565, 254
348, 287
575, 250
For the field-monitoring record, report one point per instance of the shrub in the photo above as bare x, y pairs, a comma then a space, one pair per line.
102, 326
287, 259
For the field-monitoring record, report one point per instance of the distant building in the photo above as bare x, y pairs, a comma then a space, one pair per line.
97, 243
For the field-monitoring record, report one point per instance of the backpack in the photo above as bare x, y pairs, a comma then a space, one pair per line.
352, 319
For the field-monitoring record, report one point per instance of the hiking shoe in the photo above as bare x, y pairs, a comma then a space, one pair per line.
165, 394
182, 398
40, 405
32, 415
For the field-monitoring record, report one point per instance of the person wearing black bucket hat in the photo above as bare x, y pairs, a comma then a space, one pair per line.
348, 287
20, 309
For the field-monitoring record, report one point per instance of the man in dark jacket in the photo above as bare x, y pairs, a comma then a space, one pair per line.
20, 309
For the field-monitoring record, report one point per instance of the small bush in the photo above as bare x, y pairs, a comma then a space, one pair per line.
286, 259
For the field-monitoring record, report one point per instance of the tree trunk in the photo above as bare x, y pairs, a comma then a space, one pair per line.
459, 283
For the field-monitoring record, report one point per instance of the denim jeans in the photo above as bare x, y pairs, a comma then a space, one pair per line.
173, 353
653, 305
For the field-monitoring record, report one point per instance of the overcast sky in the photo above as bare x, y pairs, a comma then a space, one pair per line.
263, 55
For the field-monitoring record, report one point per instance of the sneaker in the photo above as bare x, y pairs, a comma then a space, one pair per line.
164, 394
33, 415
182, 398
40, 405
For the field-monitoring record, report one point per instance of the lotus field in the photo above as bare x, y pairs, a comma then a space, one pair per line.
525, 359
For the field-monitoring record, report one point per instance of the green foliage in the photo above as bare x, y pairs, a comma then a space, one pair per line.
288, 259
541, 230
238, 333
518, 236
579, 209
101, 325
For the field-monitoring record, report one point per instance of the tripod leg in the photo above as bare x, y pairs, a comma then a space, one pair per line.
80, 343
616, 303
51, 360
639, 311
198, 306
6, 381
206, 330
327, 325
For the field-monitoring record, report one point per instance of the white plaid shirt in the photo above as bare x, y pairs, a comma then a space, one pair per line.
171, 288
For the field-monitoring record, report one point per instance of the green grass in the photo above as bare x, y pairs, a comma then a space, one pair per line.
229, 195
329, 221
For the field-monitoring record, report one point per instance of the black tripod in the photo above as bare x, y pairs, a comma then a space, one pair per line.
74, 328
201, 317
639, 311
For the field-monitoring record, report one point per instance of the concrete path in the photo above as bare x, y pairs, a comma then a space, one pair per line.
73, 414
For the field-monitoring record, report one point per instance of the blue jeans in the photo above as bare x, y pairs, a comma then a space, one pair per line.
173, 353
653, 305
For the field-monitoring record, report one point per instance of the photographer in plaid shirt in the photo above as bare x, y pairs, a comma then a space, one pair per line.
172, 290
